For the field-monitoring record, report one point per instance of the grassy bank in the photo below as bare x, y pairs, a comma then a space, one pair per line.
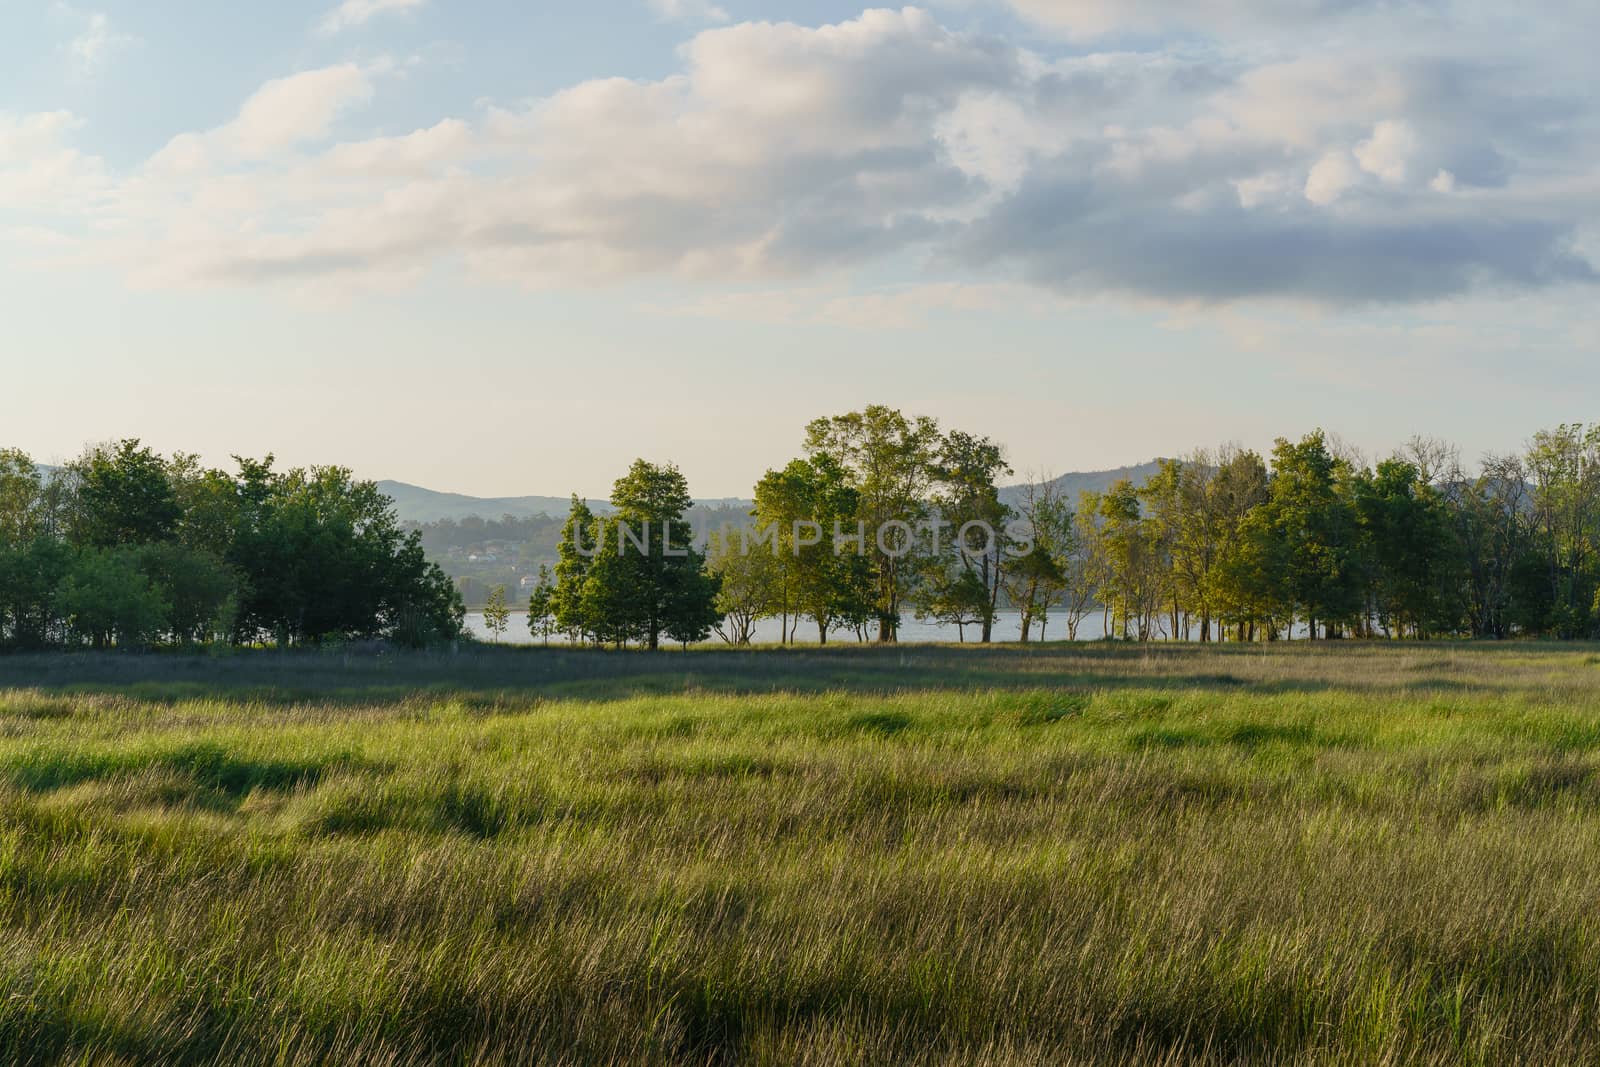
1352, 854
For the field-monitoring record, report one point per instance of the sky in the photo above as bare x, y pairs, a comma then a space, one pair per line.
503, 247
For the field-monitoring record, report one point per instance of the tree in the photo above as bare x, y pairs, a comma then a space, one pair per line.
31, 574
208, 505
1491, 525
32, 563
801, 512
1036, 579
647, 578
1132, 582
1313, 526
108, 600
891, 462
1165, 500
420, 605
323, 555
200, 590
968, 499
1415, 558
1234, 548
579, 540
123, 497
750, 589
496, 615
1564, 466
956, 597
19, 498
541, 607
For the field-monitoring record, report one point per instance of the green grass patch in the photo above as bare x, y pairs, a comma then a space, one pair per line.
1335, 855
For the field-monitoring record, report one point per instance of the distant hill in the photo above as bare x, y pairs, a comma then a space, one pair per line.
416, 504
1071, 485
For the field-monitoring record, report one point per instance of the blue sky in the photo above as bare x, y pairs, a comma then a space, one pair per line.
505, 247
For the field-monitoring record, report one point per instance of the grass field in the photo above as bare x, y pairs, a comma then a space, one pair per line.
1356, 854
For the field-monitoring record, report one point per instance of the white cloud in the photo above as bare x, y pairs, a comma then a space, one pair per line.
39, 167
1332, 175
689, 10
280, 115
781, 151
1388, 151
354, 13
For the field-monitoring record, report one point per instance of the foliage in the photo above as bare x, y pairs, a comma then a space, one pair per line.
107, 599
647, 579
891, 461
750, 585
496, 615
122, 547
580, 537
541, 608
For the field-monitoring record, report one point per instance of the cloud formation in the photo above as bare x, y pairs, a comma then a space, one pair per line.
1340, 176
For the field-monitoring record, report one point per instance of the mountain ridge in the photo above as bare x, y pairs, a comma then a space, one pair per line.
415, 503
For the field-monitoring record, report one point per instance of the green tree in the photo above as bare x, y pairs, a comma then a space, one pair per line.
32, 563
496, 615
1165, 501
580, 537
1491, 519
123, 497
323, 556
1564, 466
967, 475
541, 607
648, 579
1133, 582
108, 600
200, 590
20, 487
956, 597
892, 462
1416, 561
1220, 491
1313, 524
31, 574
751, 582
800, 511
208, 505
1036, 572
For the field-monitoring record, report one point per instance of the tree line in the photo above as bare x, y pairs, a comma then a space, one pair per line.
123, 547
1309, 541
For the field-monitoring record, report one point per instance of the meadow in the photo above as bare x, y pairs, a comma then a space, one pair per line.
1296, 854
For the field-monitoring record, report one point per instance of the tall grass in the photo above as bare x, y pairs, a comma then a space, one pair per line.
1345, 855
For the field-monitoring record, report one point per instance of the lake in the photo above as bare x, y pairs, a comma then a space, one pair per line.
1008, 627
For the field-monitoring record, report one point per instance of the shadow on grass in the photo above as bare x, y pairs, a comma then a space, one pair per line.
207, 768
487, 678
